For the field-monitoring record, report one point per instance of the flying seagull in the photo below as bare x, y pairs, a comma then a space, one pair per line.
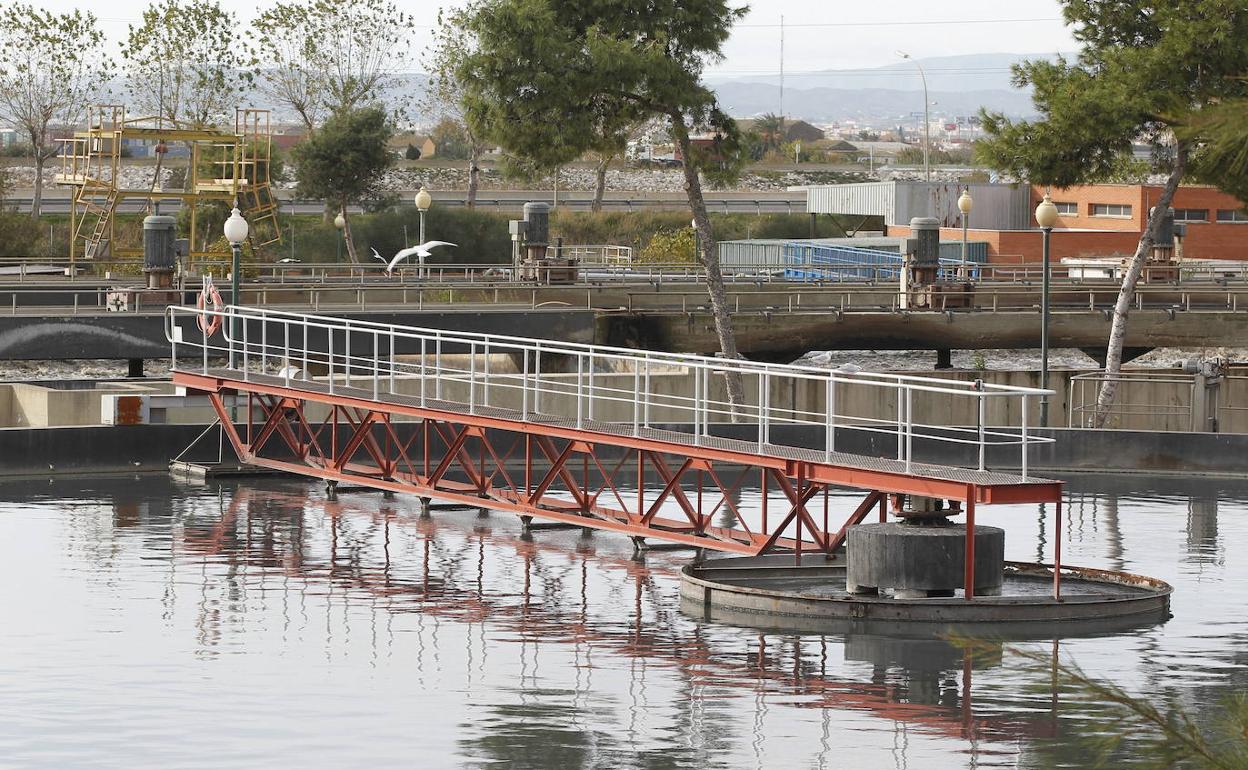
421, 251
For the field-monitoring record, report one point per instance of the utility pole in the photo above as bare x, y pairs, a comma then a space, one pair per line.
782, 76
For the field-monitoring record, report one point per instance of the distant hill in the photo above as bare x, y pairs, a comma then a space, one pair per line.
957, 85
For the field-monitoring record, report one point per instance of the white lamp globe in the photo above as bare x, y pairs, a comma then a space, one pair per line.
235, 228
965, 202
423, 199
1046, 213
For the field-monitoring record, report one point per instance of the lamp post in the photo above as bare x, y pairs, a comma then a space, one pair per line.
927, 120
965, 203
235, 232
340, 222
1046, 217
697, 242
423, 201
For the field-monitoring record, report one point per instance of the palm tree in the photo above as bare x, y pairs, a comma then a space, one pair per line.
771, 128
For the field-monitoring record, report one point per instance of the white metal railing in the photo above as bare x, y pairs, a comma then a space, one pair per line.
598, 254
630, 389
1161, 400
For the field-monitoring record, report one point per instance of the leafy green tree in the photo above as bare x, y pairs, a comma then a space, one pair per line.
344, 161
327, 56
183, 63
1147, 69
451, 139
669, 246
542, 78
51, 67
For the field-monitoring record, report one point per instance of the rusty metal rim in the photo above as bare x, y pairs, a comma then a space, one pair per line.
1152, 597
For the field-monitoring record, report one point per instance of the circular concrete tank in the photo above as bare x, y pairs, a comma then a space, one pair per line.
912, 561
777, 593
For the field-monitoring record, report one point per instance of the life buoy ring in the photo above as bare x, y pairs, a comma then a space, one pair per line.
209, 322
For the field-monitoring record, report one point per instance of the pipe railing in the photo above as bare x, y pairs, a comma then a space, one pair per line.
609, 389
608, 266
743, 296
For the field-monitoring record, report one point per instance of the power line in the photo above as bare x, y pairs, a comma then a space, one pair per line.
916, 23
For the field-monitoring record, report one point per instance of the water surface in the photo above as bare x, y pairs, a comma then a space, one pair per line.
150, 623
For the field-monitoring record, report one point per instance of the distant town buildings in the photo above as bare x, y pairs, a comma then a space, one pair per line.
1094, 220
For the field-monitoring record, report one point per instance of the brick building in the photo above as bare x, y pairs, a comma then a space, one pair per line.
1095, 220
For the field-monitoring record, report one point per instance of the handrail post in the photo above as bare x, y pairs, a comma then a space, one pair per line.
909, 427
329, 332
264, 340
485, 398
524, 387
537, 378
229, 310
647, 395
376, 364
346, 334
394, 364
764, 409
637, 394
983, 415
1024, 437
437, 366
472, 378
901, 416
697, 405
286, 350
424, 368
580, 390
246, 353
829, 443
590, 406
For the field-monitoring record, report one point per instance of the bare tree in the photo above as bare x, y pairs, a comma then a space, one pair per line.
286, 60
445, 93
51, 67
328, 56
183, 63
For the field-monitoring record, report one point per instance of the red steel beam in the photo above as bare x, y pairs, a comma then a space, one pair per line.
443, 445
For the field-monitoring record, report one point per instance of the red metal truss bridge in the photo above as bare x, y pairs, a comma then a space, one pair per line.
576, 433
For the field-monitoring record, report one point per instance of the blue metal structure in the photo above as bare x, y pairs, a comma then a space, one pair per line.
825, 262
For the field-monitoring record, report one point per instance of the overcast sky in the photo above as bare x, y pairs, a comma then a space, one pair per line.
819, 34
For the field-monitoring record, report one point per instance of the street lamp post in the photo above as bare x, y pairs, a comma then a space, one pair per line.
927, 120
423, 201
235, 232
340, 222
697, 242
965, 203
1046, 217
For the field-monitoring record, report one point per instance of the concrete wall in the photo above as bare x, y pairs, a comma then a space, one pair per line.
102, 449
1162, 405
39, 406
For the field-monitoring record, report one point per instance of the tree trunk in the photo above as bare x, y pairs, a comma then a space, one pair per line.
346, 235
1118, 331
600, 184
708, 256
36, 203
474, 173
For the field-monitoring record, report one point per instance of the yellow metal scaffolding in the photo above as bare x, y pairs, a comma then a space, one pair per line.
222, 166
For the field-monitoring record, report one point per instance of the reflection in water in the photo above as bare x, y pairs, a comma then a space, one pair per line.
924, 682
556, 649
1202, 530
